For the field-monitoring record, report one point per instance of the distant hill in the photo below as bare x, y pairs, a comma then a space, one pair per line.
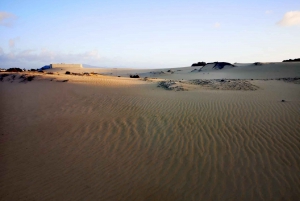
90, 66
292, 60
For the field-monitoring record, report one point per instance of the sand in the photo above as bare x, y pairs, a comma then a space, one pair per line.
116, 138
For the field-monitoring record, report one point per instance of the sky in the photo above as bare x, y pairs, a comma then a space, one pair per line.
147, 34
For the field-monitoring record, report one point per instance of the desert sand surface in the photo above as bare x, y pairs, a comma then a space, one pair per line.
103, 137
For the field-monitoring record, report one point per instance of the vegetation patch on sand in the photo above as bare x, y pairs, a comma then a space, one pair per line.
171, 85
2, 76
26, 78
292, 60
225, 84
14, 70
157, 72
134, 76
199, 64
295, 80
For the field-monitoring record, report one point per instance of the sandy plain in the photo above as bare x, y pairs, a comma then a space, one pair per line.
104, 137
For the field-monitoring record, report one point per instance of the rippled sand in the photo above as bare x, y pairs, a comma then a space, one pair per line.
118, 139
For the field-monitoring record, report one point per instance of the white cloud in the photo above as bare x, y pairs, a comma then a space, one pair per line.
291, 18
6, 19
27, 58
217, 25
37, 58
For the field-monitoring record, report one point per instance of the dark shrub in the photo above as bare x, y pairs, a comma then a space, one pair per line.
199, 64
134, 76
30, 78
14, 70
26, 78
5, 75
68, 72
292, 60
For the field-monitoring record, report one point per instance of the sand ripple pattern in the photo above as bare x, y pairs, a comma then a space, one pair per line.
101, 144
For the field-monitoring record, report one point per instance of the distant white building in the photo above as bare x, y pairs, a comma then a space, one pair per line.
63, 65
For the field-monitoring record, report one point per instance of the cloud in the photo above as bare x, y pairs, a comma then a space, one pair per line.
291, 18
12, 42
6, 19
217, 25
30, 58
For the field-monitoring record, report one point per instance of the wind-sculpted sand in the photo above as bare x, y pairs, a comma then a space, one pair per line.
115, 138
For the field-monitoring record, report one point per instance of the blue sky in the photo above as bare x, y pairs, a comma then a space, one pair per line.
147, 34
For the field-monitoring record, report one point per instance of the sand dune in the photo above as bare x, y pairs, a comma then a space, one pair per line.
116, 138
241, 71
